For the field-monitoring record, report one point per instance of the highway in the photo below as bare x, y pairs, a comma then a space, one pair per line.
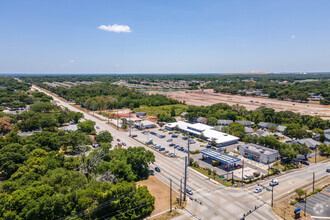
210, 200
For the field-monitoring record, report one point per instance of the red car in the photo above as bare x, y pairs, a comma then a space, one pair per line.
120, 144
118, 140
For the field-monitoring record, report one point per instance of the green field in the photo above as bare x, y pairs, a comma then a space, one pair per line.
165, 109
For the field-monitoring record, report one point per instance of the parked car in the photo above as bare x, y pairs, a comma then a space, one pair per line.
151, 172
97, 127
245, 177
118, 140
170, 132
274, 183
258, 190
191, 141
256, 174
161, 149
171, 144
175, 135
169, 140
120, 144
189, 191
166, 152
124, 144
172, 155
157, 169
184, 138
305, 162
328, 170
158, 147
134, 135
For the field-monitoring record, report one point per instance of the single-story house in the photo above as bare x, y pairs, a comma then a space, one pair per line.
72, 127
183, 114
224, 122
248, 131
310, 143
281, 128
266, 125
140, 114
246, 123
201, 120
259, 153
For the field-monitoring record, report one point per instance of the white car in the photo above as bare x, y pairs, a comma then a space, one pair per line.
245, 177
274, 183
258, 190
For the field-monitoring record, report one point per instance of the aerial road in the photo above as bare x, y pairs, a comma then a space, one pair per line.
210, 200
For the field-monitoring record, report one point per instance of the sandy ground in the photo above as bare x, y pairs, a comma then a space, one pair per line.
161, 192
208, 97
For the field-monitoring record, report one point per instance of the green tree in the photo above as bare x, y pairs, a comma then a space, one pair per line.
212, 121
300, 193
103, 137
87, 126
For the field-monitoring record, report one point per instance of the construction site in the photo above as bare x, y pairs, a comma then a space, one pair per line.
209, 97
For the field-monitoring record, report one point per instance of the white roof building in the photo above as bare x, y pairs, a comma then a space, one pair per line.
222, 139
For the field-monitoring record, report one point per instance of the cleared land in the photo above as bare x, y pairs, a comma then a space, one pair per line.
161, 192
208, 97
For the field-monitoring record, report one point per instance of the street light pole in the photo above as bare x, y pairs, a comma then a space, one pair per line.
242, 172
305, 204
170, 195
188, 152
272, 194
185, 180
313, 180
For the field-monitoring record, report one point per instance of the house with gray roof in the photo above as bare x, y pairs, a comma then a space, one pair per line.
222, 122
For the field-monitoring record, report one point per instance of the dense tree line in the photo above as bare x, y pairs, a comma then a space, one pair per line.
42, 183
295, 88
103, 96
14, 94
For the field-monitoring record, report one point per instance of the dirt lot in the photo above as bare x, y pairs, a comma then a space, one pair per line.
161, 192
208, 97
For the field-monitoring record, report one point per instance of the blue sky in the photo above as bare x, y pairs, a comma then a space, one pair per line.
171, 36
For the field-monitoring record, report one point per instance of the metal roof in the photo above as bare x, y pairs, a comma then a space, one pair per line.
222, 157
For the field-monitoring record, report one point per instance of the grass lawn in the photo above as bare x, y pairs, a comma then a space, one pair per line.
218, 179
165, 109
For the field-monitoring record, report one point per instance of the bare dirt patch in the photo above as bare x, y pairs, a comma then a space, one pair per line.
161, 192
208, 97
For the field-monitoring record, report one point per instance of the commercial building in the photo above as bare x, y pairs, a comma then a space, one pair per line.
198, 129
145, 124
259, 153
226, 159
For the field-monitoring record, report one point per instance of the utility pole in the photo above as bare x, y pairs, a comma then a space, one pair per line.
272, 195
315, 156
268, 164
108, 116
181, 192
313, 180
305, 204
170, 195
242, 171
130, 124
117, 120
185, 179
232, 178
188, 152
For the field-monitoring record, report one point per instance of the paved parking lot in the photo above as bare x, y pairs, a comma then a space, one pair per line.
318, 205
163, 142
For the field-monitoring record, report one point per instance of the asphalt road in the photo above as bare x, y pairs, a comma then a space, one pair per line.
212, 200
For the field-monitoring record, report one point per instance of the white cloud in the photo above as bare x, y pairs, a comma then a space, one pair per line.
293, 36
115, 28
72, 61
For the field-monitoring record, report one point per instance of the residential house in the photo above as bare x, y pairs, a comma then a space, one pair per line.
246, 123
224, 122
201, 120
